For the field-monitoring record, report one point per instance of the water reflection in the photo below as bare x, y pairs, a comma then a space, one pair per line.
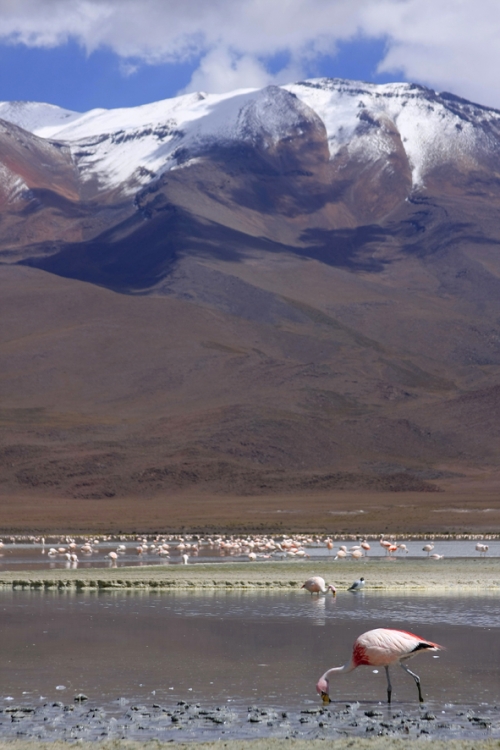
237, 646
109, 553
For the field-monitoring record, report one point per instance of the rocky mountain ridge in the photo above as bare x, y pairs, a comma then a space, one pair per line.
308, 284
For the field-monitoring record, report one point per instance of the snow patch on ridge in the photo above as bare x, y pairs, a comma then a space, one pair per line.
11, 185
434, 129
127, 147
36, 116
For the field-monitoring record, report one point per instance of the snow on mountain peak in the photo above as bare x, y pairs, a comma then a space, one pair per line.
128, 147
35, 116
433, 128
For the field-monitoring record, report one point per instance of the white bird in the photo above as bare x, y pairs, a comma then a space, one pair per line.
435, 556
317, 585
428, 548
185, 559
357, 585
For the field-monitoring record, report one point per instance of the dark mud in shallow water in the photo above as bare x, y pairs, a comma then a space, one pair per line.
195, 722
241, 665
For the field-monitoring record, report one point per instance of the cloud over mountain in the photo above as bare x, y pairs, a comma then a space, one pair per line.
236, 43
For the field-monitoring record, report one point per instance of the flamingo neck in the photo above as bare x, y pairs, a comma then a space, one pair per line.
346, 668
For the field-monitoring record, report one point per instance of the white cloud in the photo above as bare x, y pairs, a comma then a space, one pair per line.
447, 44
450, 44
220, 71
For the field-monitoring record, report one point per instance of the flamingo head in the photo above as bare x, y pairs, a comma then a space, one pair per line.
322, 688
332, 589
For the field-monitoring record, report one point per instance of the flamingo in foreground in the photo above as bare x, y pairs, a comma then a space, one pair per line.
381, 648
317, 585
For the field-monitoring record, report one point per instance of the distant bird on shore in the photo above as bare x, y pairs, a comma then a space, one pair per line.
435, 556
428, 548
482, 548
357, 585
317, 585
381, 648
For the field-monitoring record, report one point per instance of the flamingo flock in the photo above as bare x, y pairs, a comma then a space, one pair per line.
186, 548
381, 647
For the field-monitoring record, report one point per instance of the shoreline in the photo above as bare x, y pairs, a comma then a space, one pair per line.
452, 576
353, 743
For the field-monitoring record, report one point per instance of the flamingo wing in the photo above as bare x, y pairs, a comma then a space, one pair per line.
384, 646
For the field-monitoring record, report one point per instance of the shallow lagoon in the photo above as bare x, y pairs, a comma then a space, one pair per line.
238, 647
28, 556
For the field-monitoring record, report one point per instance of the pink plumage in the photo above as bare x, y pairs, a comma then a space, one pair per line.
318, 585
381, 648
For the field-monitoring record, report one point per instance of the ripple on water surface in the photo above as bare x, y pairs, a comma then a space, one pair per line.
238, 647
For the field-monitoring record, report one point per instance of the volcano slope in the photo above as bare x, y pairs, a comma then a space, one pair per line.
265, 336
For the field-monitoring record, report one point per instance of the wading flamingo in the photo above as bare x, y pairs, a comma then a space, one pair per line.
317, 585
381, 648
385, 543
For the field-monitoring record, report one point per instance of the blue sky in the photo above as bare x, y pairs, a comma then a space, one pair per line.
82, 54
69, 77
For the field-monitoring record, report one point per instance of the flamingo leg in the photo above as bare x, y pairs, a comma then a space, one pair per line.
416, 678
389, 686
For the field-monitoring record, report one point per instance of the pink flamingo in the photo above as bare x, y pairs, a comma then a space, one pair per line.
385, 544
381, 648
317, 585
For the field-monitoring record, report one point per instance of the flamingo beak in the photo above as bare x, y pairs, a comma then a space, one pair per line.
325, 698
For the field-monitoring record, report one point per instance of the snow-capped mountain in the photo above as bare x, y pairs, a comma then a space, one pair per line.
308, 283
287, 165
127, 148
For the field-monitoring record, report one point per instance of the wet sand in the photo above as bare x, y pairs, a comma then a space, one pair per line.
382, 743
425, 575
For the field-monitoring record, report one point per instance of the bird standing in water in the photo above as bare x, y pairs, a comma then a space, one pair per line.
317, 585
381, 648
357, 585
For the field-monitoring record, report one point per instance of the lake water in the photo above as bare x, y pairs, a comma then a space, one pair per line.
238, 648
28, 556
